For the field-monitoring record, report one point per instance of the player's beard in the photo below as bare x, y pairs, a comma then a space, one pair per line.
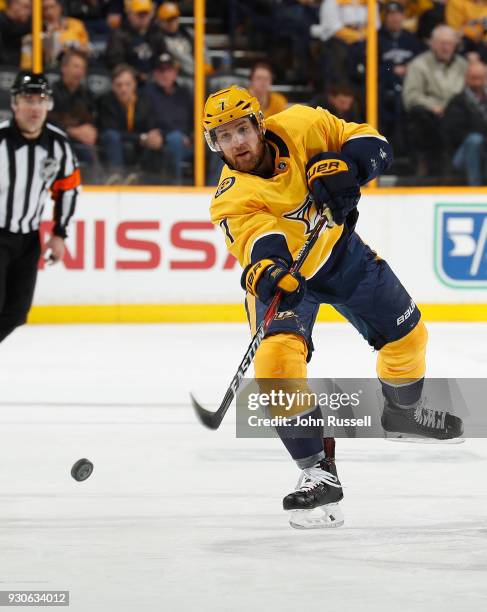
249, 163
252, 162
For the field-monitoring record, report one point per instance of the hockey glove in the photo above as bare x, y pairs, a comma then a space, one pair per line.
332, 179
264, 278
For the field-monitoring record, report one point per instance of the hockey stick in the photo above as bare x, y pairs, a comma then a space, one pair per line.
213, 420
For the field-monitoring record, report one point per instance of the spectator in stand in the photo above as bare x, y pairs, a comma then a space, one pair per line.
469, 17
429, 19
139, 42
14, 25
60, 34
74, 106
115, 13
284, 27
342, 30
340, 100
345, 20
94, 13
173, 116
432, 79
179, 41
260, 86
224, 75
413, 10
397, 47
255, 18
465, 125
126, 127
466, 15
291, 41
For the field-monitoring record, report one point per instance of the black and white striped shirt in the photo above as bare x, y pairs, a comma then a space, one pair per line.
29, 169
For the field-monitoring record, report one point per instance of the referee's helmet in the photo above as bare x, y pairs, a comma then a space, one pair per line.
27, 82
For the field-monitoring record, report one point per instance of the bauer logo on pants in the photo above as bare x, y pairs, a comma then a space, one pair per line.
461, 244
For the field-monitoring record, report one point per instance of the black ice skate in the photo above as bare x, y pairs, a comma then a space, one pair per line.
314, 503
421, 423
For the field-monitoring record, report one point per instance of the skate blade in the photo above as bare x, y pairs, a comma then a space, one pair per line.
323, 517
392, 436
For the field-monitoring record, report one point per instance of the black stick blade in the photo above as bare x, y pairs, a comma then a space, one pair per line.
212, 420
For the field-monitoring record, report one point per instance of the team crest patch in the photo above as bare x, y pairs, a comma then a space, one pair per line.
285, 314
305, 213
224, 185
49, 169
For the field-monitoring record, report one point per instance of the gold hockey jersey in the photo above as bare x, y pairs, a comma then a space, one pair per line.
271, 217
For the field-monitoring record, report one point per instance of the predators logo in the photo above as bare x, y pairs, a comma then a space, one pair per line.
306, 213
285, 314
224, 185
49, 169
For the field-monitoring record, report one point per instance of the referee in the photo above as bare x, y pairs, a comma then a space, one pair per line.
35, 159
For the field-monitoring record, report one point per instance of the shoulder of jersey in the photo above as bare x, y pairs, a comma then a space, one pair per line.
233, 186
296, 115
236, 194
296, 121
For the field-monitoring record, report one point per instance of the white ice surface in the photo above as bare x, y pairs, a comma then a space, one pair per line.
176, 517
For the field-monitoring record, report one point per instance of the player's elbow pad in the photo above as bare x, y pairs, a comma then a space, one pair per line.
372, 156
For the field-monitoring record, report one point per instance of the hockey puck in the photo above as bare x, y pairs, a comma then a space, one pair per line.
82, 470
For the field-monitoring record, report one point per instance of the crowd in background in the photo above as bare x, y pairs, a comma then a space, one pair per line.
122, 75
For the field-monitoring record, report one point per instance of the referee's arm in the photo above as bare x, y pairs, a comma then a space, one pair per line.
65, 191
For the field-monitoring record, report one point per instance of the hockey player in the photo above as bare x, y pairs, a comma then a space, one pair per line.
279, 176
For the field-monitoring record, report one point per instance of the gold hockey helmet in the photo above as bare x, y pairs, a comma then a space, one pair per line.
227, 105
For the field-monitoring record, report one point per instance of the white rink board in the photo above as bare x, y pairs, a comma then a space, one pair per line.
160, 248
